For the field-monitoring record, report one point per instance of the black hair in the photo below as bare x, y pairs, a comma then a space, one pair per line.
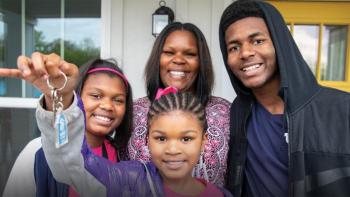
203, 85
239, 10
122, 136
183, 101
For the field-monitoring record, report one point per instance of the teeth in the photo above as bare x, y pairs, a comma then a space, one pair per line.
177, 73
251, 67
103, 118
174, 162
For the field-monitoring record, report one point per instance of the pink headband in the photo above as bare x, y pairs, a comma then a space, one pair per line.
110, 70
161, 92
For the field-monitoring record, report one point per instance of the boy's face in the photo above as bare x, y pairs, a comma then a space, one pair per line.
104, 100
251, 54
175, 142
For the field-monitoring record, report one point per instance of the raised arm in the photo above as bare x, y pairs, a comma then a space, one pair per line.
66, 163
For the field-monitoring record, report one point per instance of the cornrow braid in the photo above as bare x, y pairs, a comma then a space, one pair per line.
186, 102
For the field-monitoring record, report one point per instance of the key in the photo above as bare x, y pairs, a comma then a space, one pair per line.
60, 122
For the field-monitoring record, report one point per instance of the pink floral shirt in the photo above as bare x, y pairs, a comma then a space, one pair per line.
215, 152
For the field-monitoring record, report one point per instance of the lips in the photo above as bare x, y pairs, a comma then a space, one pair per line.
250, 67
174, 164
103, 120
177, 74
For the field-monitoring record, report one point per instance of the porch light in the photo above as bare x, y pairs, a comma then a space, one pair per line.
161, 18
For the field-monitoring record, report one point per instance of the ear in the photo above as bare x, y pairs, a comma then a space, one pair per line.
204, 141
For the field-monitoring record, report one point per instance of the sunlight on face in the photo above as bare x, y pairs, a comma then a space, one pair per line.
175, 142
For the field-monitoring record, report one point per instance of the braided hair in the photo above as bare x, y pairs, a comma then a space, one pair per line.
182, 101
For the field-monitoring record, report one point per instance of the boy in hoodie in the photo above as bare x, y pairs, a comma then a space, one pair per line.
289, 135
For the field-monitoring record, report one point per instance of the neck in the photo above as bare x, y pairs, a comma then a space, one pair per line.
185, 186
269, 98
94, 140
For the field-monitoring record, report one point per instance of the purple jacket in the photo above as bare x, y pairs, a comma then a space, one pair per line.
91, 175
126, 178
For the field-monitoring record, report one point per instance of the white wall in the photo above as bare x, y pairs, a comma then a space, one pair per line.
126, 35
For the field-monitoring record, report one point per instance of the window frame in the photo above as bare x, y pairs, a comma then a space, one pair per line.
31, 103
323, 13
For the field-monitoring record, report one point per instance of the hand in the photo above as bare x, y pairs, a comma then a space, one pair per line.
39, 67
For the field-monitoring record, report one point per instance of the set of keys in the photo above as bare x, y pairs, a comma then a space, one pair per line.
60, 122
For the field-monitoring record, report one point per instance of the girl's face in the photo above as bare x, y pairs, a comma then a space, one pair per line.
104, 99
179, 60
175, 142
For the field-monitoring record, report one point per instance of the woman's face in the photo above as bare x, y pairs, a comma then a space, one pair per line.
104, 99
175, 142
179, 61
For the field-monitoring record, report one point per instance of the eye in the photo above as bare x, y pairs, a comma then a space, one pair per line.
187, 139
191, 54
160, 138
258, 41
119, 101
168, 53
95, 96
233, 48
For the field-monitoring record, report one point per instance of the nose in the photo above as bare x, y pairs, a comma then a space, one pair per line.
172, 147
178, 59
247, 51
106, 104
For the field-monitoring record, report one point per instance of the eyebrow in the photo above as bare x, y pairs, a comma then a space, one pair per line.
234, 41
100, 90
182, 132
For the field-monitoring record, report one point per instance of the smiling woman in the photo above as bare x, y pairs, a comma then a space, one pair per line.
180, 58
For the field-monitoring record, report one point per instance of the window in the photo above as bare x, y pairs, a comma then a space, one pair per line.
321, 31
70, 28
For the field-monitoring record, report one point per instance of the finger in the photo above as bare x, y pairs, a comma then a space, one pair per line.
38, 62
24, 64
71, 70
53, 63
7, 72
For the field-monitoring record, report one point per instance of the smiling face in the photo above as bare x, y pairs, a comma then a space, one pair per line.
251, 54
179, 61
175, 141
104, 101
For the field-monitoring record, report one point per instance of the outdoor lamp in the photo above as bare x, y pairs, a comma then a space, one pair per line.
161, 18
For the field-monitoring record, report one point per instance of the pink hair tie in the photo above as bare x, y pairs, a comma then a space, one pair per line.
121, 75
161, 92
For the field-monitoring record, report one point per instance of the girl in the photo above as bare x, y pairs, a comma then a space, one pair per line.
180, 58
176, 138
107, 99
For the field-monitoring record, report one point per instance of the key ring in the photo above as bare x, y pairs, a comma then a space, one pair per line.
54, 88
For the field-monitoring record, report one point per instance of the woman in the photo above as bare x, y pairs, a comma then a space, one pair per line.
180, 59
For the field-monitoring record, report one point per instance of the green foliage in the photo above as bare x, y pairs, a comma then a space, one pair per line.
77, 53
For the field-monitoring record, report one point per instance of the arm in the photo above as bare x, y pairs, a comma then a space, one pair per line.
66, 162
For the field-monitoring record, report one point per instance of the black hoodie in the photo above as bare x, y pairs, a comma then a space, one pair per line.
318, 120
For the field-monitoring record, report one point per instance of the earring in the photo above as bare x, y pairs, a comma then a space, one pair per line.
203, 167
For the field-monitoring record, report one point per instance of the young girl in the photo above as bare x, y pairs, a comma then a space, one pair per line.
176, 139
180, 58
107, 99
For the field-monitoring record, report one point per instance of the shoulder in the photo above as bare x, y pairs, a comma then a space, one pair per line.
144, 101
30, 149
214, 100
332, 93
22, 173
217, 107
212, 190
27, 155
